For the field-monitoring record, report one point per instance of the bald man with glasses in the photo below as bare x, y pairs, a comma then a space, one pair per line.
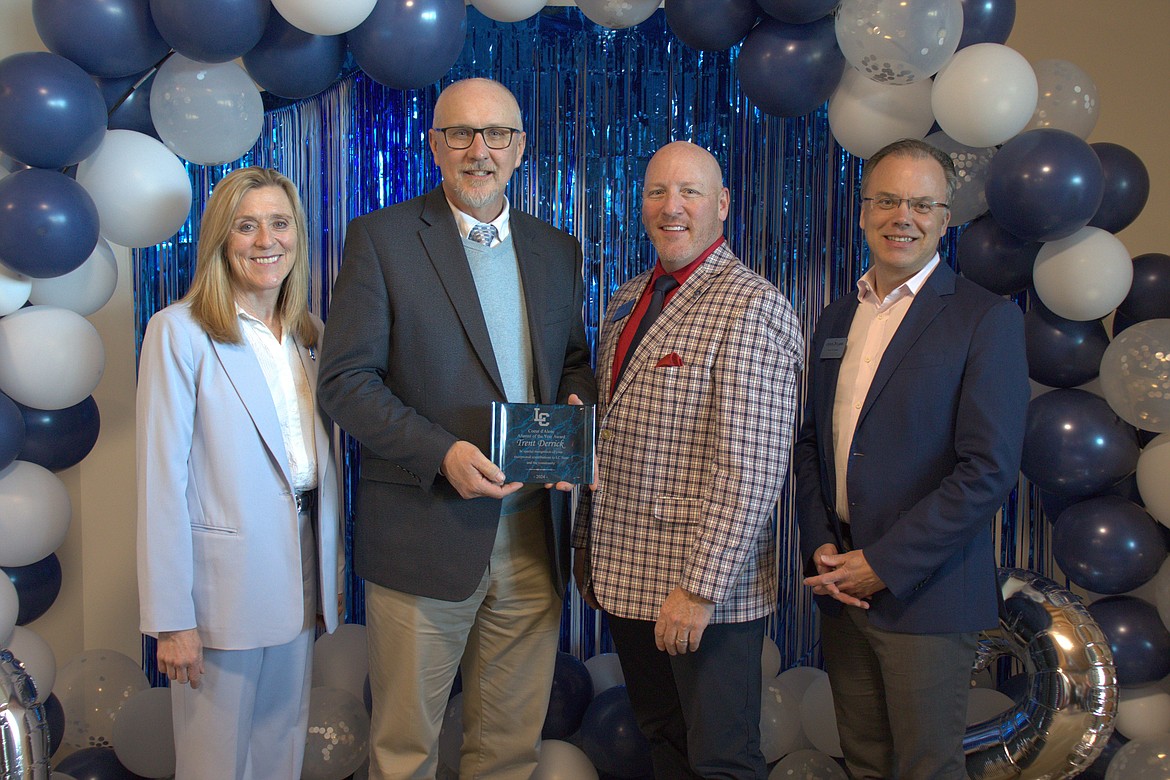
445, 303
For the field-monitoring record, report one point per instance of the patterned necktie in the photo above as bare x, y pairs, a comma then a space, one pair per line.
483, 234
662, 285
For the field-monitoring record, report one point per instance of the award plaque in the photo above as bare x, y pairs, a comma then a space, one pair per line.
543, 442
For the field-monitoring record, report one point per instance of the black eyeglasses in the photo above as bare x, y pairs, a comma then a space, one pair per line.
464, 137
917, 205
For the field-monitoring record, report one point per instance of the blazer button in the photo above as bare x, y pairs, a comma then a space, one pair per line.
606, 434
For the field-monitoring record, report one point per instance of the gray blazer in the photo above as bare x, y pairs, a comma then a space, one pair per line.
407, 369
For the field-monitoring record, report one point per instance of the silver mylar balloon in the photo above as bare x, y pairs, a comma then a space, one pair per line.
24, 728
1063, 723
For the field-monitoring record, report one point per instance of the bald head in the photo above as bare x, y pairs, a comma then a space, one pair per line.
684, 203
478, 95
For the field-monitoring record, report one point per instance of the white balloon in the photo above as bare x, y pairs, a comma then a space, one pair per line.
1141, 759
780, 728
1067, 98
971, 165
140, 188
618, 14
508, 10
605, 671
39, 662
769, 660
143, 733
341, 660
331, 18
1161, 585
208, 113
985, 95
819, 719
14, 290
898, 41
1152, 468
563, 761
796, 681
84, 289
9, 608
1135, 375
865, 115
92, 688
50, 358
1084, 276
807, 765
34, 513
1143, 712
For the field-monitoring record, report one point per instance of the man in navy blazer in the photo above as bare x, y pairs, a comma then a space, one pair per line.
911, 441
445, 303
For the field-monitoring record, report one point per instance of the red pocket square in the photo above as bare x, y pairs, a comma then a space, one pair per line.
669, 360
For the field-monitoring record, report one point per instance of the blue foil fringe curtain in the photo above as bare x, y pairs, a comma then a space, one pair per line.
597, 103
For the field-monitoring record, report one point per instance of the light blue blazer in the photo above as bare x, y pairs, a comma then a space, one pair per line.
218, 541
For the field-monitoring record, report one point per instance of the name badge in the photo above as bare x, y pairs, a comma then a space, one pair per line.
833, 349
623, 310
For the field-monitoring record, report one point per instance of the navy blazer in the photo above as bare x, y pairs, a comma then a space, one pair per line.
934, 456
408, 369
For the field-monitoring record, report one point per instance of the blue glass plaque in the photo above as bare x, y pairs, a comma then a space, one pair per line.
543, 442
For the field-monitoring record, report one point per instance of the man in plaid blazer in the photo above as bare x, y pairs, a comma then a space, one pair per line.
695, 423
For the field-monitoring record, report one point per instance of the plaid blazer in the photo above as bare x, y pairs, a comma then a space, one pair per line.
693, 446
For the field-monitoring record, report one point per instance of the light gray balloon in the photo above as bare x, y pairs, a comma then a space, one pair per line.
1135, 375
143, 734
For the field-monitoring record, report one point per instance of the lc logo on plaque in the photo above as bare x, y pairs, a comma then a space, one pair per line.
543, 442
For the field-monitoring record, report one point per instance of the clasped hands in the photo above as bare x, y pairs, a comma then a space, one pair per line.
847, 577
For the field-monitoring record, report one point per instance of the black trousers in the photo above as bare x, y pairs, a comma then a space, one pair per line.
700, 711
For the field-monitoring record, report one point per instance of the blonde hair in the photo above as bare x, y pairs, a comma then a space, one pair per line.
212, 294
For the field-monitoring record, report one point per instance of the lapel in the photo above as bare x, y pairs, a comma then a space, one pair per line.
840, 319
246, 376
927, 304
678, 310
622, 303
445, 250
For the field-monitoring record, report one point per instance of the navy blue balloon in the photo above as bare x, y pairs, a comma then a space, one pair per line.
95, 763
1074, 444
987, 21
408, 44
1127, 187
994, 258
1044, 184
107, 38
1149, 294
129, 106
60, 438
51, 113
711, 25
37, 586
55, 716
11, 430
572, 690
211, 30
1062, 353
48, 223
1108, 545
1138, 638
292, 63
797, 11
790, 69
610, 736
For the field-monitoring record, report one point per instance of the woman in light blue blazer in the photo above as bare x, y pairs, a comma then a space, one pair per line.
238, 500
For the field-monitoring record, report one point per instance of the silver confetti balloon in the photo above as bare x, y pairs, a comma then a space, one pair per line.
24, 728
1064, 721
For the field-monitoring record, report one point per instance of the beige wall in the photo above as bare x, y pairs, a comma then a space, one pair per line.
1119, 44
